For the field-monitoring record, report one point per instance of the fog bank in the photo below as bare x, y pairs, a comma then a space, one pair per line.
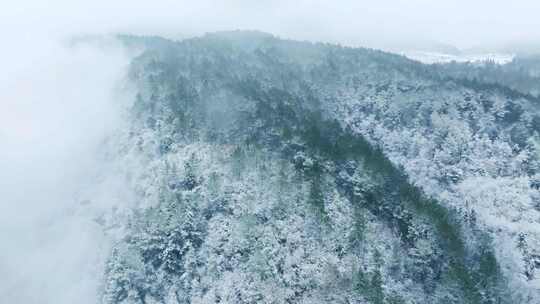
57, 106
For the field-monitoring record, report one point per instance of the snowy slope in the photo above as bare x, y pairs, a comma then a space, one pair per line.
279, 171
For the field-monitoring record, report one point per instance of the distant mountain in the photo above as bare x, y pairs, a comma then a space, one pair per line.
433, 52
441, 53
430, 57
522, 48
278, 171
420, 45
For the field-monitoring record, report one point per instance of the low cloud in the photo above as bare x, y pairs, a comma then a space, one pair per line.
57, 106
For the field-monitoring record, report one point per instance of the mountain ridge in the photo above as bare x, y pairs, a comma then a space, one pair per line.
305, 109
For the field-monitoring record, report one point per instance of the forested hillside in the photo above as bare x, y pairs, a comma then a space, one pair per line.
521, 74
277, 171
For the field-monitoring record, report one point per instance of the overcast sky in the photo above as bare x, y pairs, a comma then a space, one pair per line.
463, 23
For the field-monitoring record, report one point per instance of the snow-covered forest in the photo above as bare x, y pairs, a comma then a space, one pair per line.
275, 171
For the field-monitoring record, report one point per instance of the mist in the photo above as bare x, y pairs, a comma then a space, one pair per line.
59, 103
58, 106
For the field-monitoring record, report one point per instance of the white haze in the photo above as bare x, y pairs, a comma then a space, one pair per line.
380, 23
58, 104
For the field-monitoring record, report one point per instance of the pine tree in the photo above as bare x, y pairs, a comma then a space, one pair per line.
118, 281
190, 167
316, 195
